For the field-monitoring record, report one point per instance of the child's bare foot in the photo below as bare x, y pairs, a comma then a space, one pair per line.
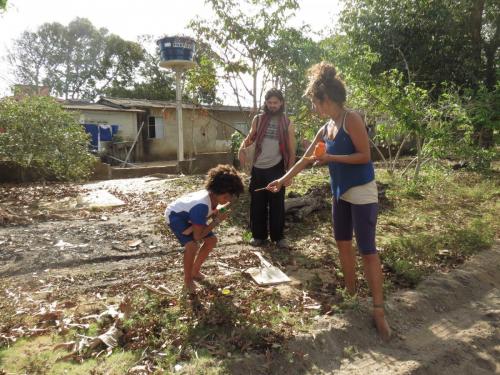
189, 288
383, 328
199, 276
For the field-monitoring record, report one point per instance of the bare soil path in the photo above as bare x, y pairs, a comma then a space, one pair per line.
448, 325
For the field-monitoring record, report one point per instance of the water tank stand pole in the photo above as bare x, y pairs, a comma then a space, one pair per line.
178, 97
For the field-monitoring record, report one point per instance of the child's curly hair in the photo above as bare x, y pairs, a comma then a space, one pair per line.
224, 179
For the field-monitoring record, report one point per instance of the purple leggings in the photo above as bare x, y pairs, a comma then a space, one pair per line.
361, 217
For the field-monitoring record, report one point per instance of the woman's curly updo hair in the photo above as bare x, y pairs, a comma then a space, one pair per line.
323, 83
224, 179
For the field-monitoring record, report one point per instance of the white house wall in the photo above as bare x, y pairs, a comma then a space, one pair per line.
127, 121
202, 133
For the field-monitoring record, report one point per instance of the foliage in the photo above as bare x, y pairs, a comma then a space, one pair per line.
75, 61
403, 113
436, 44
353, 65
151, 82
241, 35
482, 108
436, 41
3, 4
236, 139
290, 55
201, 81
452, 130
437, 222
37, 133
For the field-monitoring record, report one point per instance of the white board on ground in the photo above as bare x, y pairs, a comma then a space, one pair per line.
99, 199
267, 274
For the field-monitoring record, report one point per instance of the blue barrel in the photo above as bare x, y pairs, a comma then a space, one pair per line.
176, 48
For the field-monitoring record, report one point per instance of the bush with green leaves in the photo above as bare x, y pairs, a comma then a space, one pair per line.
37, 134
236, 139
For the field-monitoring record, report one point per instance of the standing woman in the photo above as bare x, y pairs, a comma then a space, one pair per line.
352, 177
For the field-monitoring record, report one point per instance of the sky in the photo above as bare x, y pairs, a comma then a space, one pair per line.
129, 19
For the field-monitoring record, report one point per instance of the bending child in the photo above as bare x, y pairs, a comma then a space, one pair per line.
188, 216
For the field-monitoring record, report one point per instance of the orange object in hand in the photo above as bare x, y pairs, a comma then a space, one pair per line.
320, 149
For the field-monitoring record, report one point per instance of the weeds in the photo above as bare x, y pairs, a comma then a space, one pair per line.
349, 301
351, 352
410, 258
212, 322
435, 224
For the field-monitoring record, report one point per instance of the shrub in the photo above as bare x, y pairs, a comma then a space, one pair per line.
37, 133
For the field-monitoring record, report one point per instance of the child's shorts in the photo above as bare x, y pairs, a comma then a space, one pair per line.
178, 226
360, 217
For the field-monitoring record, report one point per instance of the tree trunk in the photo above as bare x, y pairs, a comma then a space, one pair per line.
419, 157
254, 94
476, 22
491, 51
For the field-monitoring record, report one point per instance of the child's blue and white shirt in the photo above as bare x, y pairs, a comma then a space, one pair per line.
193, 208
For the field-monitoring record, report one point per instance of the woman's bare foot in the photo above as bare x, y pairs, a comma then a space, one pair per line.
383, 328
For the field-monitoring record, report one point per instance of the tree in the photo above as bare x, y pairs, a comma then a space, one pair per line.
151, 82
447, 40
241, 35
434, 42
201, 81
37, 133
289, 57
3, 4
353, 64
76, 61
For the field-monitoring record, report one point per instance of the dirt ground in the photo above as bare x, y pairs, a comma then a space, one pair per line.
448, 325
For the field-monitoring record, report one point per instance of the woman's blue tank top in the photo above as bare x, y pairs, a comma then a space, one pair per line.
344, 176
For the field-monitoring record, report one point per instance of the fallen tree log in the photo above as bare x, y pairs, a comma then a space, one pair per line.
298, 207
318, 198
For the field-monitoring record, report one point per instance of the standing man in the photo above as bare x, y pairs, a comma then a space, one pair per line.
274, 137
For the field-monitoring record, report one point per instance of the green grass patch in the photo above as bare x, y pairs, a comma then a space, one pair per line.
36, 356
436, 223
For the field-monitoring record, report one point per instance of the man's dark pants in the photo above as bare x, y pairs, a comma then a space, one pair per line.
265, 205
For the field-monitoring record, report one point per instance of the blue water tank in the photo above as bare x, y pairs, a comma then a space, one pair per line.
176, 48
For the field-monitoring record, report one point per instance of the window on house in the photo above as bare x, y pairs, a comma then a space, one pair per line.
155, 127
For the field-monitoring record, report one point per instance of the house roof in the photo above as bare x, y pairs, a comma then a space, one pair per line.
89, 106
145, 103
